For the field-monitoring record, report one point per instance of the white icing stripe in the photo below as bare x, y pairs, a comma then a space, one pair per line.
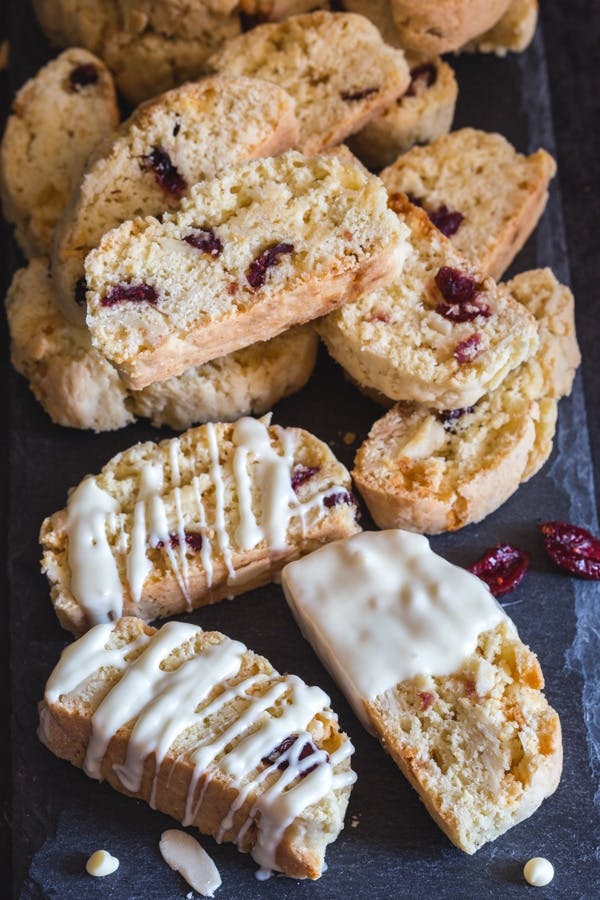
381, 607
138, 564
217, 477
206, 548
95, 580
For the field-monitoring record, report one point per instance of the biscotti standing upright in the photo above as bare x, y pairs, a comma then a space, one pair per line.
167, 145
263, 246
441, 334
431, 471
335, 66
168, 527
207, 732
57, 119
478, 190
436, 670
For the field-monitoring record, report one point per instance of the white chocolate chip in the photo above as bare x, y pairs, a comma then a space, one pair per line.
538, 871
185, 855
101, 863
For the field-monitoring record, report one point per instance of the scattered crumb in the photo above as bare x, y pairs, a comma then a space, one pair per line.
349, 437
354, 822
4, 54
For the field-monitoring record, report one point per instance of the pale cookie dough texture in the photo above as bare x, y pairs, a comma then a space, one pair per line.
78, 388
335, 66
513, 33
500, 193
57, 119
263, 246
429, 471
429, 27
396, 341
167, 145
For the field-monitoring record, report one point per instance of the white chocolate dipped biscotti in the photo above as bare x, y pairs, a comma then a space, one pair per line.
431, 471
57, 119
436, 670
167, 145
263, 246
456, 180
335, 65
441, 334
78, 388
168, 527
208, 732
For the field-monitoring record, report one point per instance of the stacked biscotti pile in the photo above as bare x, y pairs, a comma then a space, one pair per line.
182, 265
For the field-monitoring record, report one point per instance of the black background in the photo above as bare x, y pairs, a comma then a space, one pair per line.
395, 851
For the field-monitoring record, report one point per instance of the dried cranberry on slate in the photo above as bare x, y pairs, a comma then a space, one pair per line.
455, 286
502, 568
130, 293
307, 750
80, 291
358, 95
302, 474
572, 548
83, 75
257, 271
425, 75
445, 220
467, 350
205, 241
165, 172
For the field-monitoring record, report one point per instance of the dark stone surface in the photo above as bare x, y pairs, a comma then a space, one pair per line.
59, 816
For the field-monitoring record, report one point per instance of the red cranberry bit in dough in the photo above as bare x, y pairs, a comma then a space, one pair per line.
130, 293
426, 699
257, 271
377, 316
350, 96
424, 76
192, 539
445, 220
83, 75
307, 750
165, 172
502, 568
205, 241
466, 351
455, 286
450, 415
302, 474
572, 548
339, 497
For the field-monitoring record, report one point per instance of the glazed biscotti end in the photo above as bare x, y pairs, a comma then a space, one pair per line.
180, 524
201, 777
435, 669
335, 65
265, 245
58, 117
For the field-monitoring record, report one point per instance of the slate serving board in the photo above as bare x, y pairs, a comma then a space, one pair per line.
390, 847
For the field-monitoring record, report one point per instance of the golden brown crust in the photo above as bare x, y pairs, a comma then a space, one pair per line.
431, 27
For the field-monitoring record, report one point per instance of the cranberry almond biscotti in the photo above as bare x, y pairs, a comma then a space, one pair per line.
430, 27
168, 527
263, 246
208, 732
436, 670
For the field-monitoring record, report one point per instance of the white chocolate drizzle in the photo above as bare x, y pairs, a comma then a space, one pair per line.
381, 607
165, 703
258, 479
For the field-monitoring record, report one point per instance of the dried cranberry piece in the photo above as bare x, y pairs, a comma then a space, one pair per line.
425, 74
302, 474
206, 242
307, 750
131, 293
83, 75
358, 95
80, 291
165, 172
257, 271
572, 548
192, 538
377, 316
463, 312
455, 286
450, 415
338, 498
426, 699
445, 220
467, 350
502, 568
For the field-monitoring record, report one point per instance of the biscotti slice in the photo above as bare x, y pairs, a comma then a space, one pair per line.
456, 179
512, 33
335, 66
275, 10
265, 245
169, 144
168, 527
78, 23
78, 388
440, 334
184, 18
208, 732
58, 117
429, 27
432, 471
436, 670
423, 113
